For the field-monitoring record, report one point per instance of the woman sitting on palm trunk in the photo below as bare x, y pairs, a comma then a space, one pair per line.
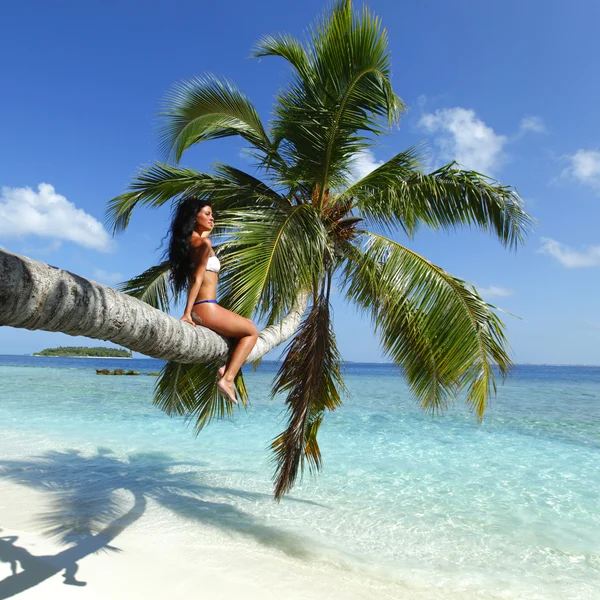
195, 266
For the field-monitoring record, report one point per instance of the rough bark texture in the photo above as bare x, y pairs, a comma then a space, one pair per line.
34, 295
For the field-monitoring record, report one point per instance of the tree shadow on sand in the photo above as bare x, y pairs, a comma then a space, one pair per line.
95, 498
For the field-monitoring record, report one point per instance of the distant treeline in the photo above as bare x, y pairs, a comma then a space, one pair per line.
99, 351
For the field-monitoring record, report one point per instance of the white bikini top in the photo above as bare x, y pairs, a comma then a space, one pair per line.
213, 264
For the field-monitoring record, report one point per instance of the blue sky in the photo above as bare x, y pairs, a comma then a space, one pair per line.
508, 88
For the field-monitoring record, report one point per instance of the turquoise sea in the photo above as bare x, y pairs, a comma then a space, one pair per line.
509, 508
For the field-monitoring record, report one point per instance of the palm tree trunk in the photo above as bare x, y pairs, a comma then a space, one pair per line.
34, 295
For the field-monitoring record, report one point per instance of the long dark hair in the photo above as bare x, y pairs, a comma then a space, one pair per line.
178, 252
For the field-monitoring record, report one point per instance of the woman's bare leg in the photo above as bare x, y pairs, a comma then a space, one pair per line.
221, 370
230, 325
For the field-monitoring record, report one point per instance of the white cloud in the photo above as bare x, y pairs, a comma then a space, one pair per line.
362, 164
45, 213
463, 137
494, 291
566, 256
532, 124
585, 167
105, 277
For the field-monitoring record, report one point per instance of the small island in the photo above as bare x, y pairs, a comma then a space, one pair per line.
83, 352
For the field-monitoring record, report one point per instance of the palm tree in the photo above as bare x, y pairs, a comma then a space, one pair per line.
299, 224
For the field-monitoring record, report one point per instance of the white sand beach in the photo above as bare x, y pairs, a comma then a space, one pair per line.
142, 562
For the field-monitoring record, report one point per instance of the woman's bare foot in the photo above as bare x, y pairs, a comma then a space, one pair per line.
228, 389
221, 372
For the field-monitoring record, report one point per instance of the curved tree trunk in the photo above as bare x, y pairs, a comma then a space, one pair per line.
34, 295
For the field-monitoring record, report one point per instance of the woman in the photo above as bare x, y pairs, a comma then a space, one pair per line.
194, 265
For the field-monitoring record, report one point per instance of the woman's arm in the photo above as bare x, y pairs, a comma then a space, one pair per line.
201, 254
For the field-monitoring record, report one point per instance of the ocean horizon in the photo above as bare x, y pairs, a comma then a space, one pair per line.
416, 506
360, 362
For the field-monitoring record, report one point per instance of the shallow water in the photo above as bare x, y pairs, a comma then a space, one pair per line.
506, 509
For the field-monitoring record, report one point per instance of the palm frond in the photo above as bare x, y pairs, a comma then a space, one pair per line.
272, 255
338, 99
244, 190
398, 322
151, 286
434, 326
310, 374
160, 183
398, 194
351, 51
205, 108
191, 391
287, 47
153, 186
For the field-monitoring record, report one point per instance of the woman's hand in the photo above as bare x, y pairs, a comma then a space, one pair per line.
188, 319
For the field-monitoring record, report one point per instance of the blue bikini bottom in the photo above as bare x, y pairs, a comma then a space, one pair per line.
206, 302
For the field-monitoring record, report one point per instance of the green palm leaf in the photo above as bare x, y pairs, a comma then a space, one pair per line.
153, 186
400, 326
191, 391
324, 118
206, 108
152, 286
398, 194
287, 47
433, 325
310, 374
272, 255
161, 183
243, 189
